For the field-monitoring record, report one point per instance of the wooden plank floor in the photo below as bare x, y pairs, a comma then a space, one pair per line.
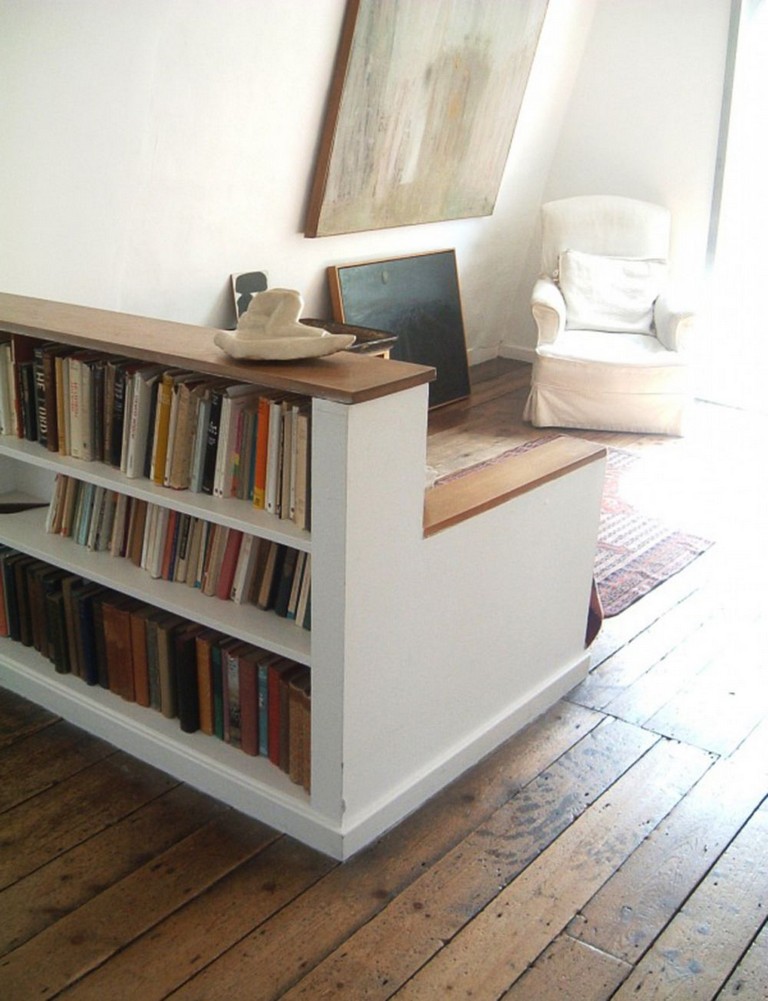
616, 848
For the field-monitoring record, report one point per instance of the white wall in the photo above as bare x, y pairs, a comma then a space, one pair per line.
642, 121
149, 149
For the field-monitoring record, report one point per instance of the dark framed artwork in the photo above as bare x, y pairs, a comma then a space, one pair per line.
424, 100
244, 286
416, 298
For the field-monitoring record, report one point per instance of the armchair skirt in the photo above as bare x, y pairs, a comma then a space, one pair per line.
609, 382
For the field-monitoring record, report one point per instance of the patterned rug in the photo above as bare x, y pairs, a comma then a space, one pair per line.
635, 553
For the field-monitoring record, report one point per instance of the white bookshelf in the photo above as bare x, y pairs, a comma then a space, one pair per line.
435, 636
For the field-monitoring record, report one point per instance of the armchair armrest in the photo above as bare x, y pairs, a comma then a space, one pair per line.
674, 327
548, 308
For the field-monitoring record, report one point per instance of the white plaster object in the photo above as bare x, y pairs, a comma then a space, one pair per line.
269, 330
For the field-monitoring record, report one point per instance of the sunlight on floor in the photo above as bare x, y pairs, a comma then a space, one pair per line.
713, 483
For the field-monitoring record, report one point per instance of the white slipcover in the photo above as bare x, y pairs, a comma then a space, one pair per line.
605, 379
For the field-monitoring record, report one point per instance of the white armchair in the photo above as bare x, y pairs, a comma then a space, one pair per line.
611, 352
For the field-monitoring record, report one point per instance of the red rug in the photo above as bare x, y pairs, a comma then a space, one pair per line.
635, 553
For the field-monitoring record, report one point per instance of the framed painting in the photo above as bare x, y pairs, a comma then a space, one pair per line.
417, 299
423, 105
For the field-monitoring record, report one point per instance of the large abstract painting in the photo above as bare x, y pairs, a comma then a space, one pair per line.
423, 105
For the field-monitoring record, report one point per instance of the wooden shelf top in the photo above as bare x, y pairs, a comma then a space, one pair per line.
343, 377
493, 483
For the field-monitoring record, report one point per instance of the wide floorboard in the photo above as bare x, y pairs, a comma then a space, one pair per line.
615, 848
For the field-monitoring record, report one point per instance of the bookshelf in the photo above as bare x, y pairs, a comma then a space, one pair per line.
441, 622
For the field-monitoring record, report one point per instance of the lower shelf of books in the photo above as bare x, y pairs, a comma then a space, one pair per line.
253, 785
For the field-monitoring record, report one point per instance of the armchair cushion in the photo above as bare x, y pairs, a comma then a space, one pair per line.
610, 293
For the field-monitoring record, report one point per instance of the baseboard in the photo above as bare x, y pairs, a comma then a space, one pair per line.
476, 356
517, 352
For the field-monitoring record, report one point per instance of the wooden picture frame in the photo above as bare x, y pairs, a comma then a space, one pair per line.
417, 298
422, 108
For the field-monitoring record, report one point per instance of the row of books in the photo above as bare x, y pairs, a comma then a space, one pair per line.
254, 700
170, 545
178, 428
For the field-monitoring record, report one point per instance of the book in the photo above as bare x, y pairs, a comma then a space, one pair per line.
300, 728
68, 585
196, 530
165, 663
183, 431
218, 689
58, 653
41, 405
22, 386
260, 456
100, 649
118, 377
234, 401
208, 458
91, 404
61, 374
229, 564
195, 576
249, 699
98, 378
8, 557
152, 625
219, 535
82, 598
25, 372
160, 537
21, 568
278, 674
245, 453
7, 423
204, 642
284, 583
4, 631
182, 547
43, 580
75, 418
247, 562
50, 353
303, 478
69, 506
169, 545
274, 458
178, 450
116, 611
120, 523
136, 529
231, 650
271, 575
303, 604
200, 438
298, 575
95, 516
164, 395
31, 611
144, 381
139, 662
184, 641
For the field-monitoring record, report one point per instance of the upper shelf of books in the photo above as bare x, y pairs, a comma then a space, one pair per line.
343, 377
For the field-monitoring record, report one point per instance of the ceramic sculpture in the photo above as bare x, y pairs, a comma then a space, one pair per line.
269, 330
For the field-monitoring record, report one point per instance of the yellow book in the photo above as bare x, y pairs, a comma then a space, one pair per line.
162, 423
